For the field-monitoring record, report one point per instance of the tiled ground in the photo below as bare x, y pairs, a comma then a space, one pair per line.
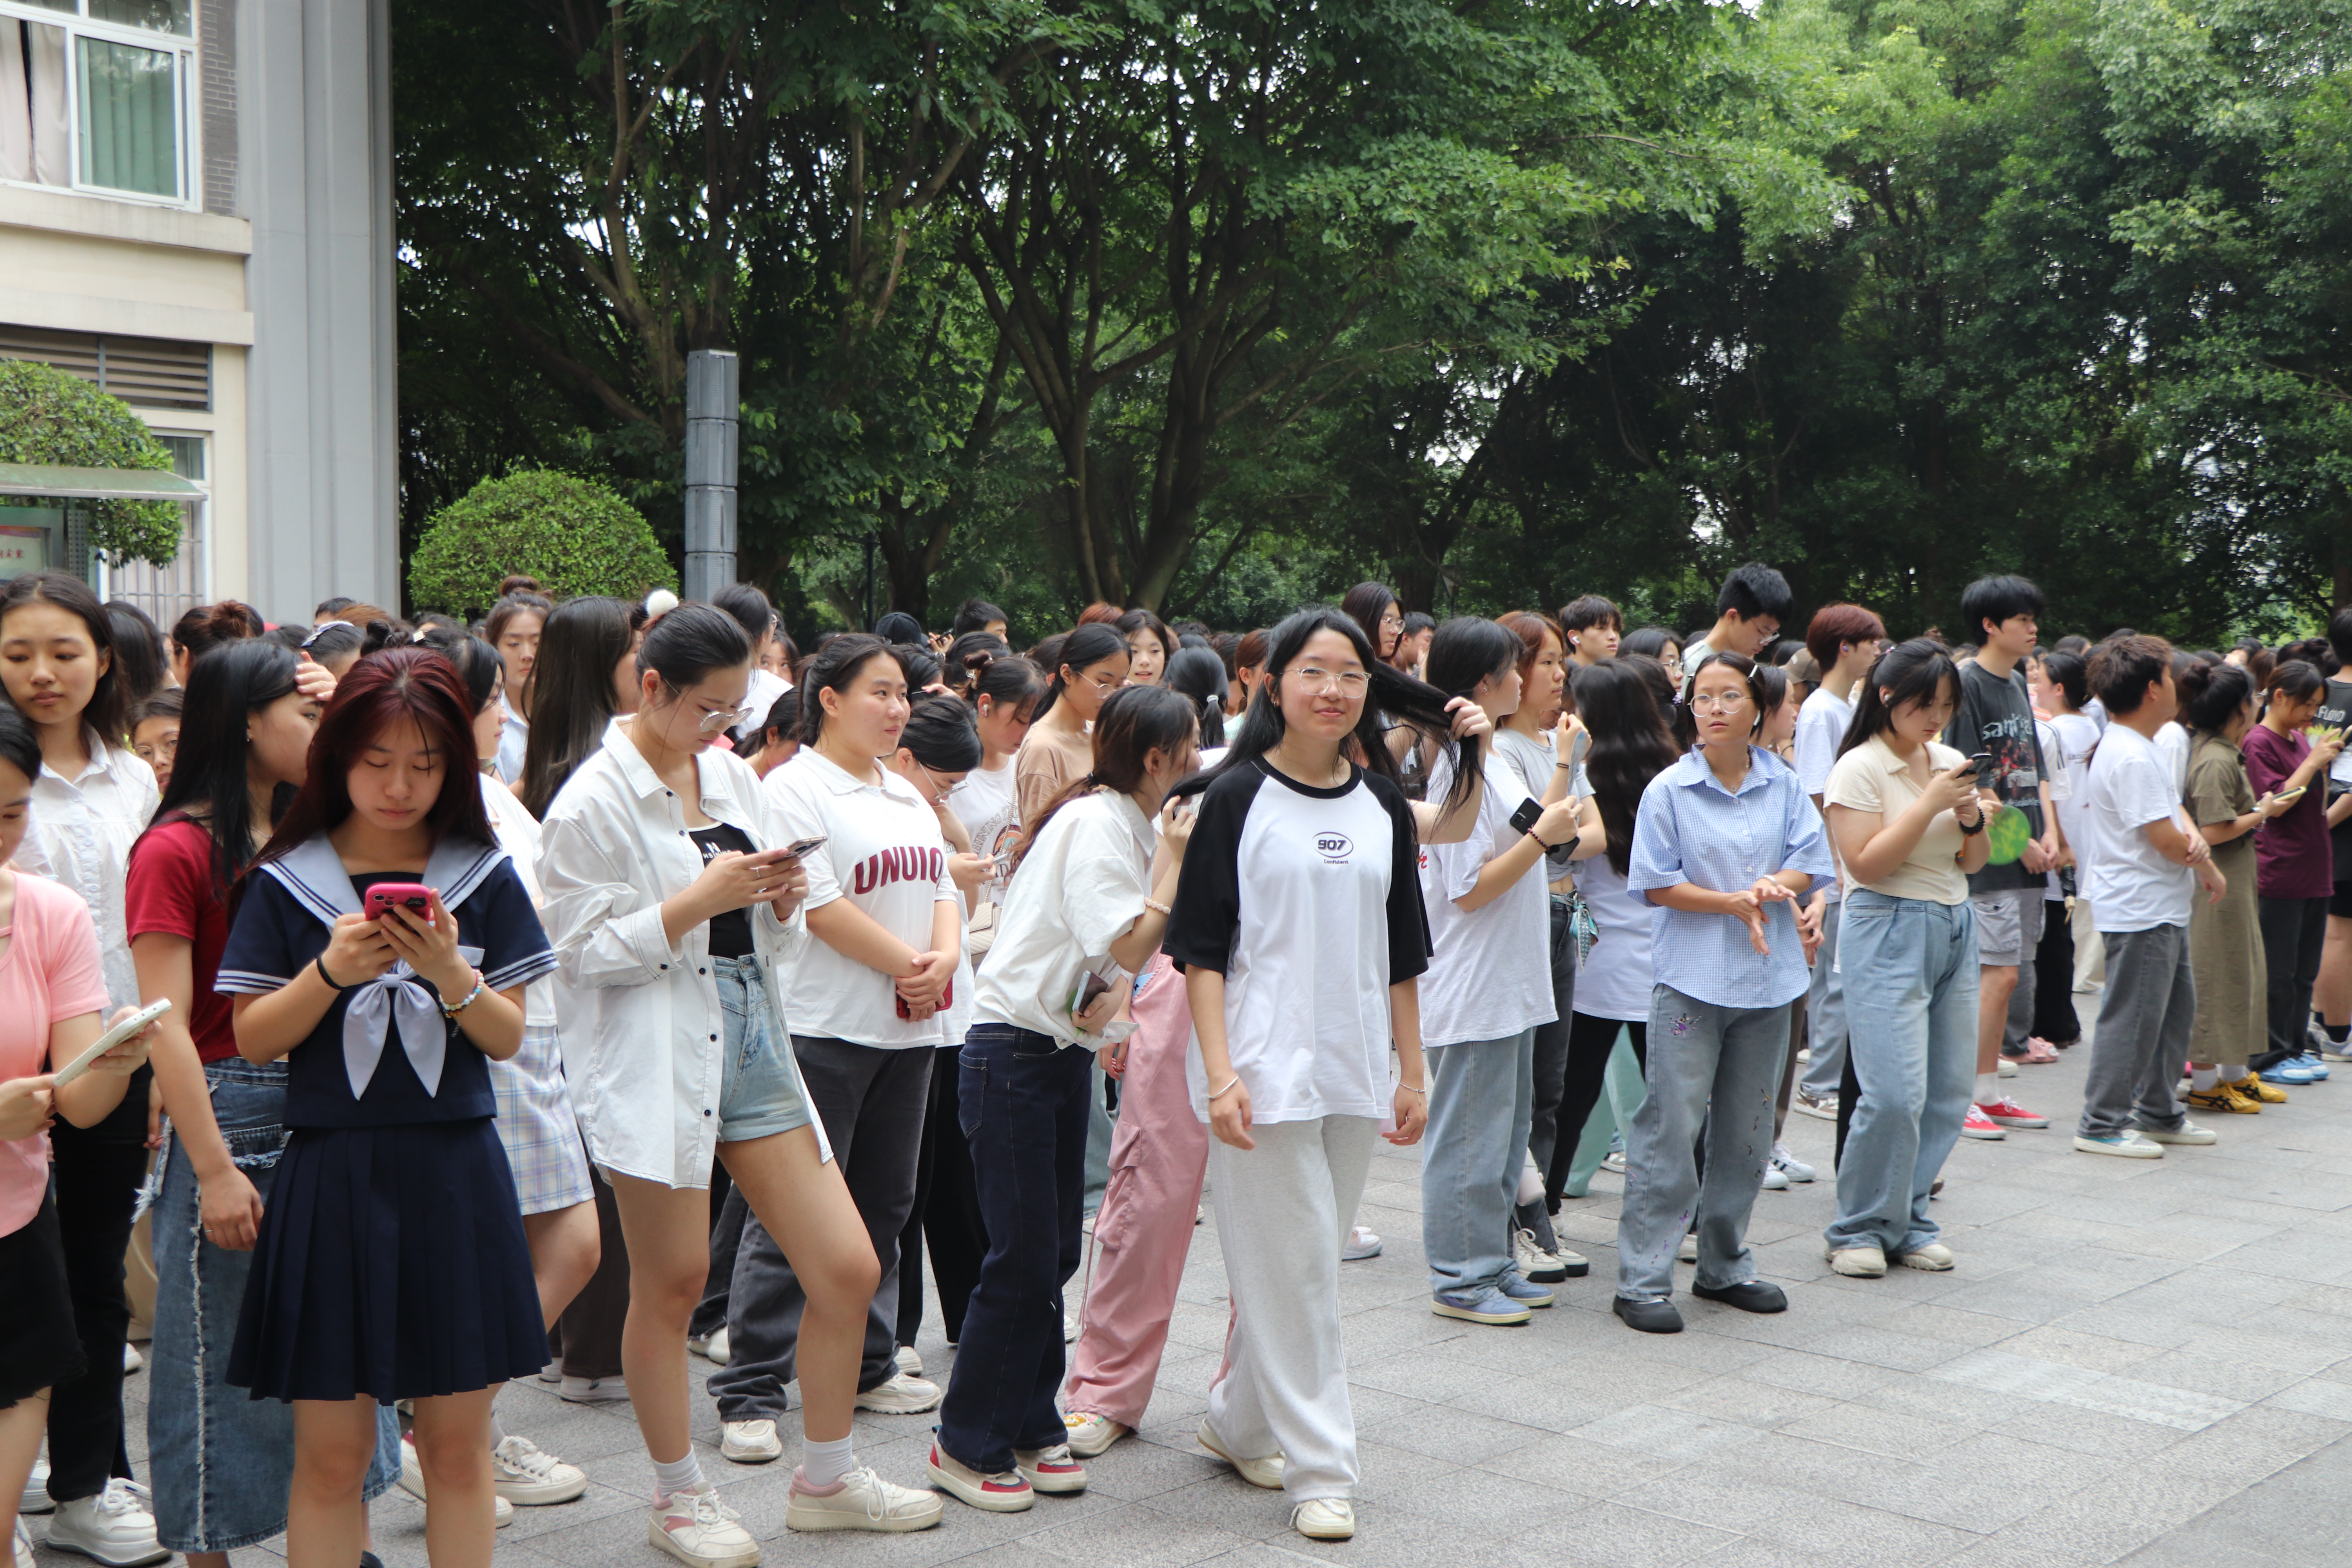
2149, 1362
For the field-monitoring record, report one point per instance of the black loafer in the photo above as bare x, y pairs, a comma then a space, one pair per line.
1649, 1317
1753, 1296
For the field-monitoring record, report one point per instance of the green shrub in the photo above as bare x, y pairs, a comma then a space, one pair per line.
48, 416
574, 534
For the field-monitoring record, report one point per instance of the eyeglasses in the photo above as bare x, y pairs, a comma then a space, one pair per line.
939, 792
723, 719
152, 751
1347, 683
1102, 686
1729, 702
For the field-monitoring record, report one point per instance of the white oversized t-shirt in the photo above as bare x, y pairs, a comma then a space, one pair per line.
1307, 900
1079, 889
2131, 885
883, 851
1490, 976
1821, 729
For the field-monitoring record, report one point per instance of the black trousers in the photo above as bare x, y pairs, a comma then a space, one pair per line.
946, 1214
2294, 932
1589, 1041
99, 1172
587, 1335
2054, 980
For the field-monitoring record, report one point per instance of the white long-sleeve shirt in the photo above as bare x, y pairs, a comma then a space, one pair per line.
80, 839
644, 1064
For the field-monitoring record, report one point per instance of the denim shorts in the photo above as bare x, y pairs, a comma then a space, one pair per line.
220, 1460
759, 1093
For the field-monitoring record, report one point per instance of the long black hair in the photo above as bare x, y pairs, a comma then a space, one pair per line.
478, 663
1618, 701
1199, 676
1133, 721
1391, 694
1912, 671
572, 691
208, 774
1087, 644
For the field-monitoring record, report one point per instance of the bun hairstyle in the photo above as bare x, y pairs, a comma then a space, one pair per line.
968, 656
1619, 700
518, 583
109, 712
199, 631
2213, 694
1686, 722
1007, 680
938, 734
1199, 676
834, 668
1133, 722
1086, 645
1914, 671
690, 642
208, 774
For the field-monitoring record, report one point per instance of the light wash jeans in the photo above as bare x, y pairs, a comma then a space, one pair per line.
1911, 963
1470, 1156
1828, 1028
1713, 1065
220, 1460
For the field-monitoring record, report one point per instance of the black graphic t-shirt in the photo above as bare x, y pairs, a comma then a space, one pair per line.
730, 933
1996, 716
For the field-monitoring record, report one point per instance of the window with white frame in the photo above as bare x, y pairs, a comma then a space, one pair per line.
166, 592
100, 96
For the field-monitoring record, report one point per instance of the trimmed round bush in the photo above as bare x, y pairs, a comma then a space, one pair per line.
49, 417
572, 533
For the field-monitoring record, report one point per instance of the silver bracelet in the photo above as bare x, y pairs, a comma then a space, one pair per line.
1221, 1093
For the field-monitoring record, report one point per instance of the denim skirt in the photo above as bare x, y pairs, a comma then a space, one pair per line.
218, 1459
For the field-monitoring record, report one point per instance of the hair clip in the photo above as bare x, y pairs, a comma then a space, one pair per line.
321, 626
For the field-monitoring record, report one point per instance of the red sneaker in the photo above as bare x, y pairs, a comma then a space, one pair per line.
1978, 1125
2009, 1113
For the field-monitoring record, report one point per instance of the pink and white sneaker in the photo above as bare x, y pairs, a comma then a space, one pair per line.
1978, 1125
2009, 1113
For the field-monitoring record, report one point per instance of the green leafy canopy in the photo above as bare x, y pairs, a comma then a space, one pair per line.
574, 534
49, 417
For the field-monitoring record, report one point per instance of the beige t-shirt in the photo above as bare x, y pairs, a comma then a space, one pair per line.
1871, 777
1047, 764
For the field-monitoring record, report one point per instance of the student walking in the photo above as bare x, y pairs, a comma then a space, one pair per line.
1908, 819
673, 897
1090, 892
2144, 871
1724, 841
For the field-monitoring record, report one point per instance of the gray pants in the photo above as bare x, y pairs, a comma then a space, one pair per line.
1825, 1007
1719, 1067
2144, 1018
872, 1102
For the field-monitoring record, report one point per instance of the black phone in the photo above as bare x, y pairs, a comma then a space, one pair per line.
1982, 763
1523, 820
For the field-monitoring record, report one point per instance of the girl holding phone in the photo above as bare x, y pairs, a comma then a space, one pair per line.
391, 1263
674, 909
2294, 867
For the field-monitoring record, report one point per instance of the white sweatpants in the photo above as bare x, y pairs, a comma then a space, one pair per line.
1281, 1209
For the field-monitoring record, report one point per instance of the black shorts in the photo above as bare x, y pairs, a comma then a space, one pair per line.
40, 1346
2339, 903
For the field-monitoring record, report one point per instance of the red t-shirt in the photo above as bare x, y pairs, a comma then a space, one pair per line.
169, 888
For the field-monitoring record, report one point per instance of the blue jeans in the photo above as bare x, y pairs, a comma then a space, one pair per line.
1827, 1025
1713, 1065
1471, 1155
1912, 964
1022, 1105
221, 1460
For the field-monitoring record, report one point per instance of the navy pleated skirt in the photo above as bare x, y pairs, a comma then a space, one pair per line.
392, 1263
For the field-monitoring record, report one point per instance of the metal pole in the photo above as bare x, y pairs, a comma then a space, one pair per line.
713, 383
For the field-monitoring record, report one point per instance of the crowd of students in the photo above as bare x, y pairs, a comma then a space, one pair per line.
602, 982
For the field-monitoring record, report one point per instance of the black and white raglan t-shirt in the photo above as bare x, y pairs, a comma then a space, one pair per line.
1307, 900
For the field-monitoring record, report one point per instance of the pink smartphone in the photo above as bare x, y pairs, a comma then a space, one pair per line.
414, 896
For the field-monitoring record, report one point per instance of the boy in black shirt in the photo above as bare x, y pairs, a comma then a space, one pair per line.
1996, 716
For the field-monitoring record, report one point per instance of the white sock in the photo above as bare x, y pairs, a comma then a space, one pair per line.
1987, 1088
497, 1430
2201, 1079
2233, 1072
672, 1476
825, 1465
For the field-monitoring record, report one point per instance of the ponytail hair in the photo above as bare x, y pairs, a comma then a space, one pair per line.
1199, 674
2212, 694
834, 668
2068, 673
1912, 671
1091, 642
1134, 722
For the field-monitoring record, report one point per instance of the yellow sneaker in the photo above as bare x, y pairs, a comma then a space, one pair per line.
2254, 1088
2223, 1097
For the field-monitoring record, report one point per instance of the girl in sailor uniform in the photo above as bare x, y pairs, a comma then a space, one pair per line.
392, 1262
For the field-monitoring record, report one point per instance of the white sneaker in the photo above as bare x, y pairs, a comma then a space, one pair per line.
1789, 1165
595, 1391
1074, 1320
528, 1476
1804, 1056
715, 1348
1935, 1257
21, 1537
412, 1479
1324, 1518
2130, 1145
864, 1501
909, 1361
749, 1442
1005, 1491
1613, 1161
1360, 1244
1858, 1262
1091, 1433
1824, 1107
902, 1396
1265, 1472
2006, 1068
1536, 1261
700, 1532
1774, 1181
131, 1360
1054, 1470
551, 1373
36, 1490
117, 1527
2186, 1132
